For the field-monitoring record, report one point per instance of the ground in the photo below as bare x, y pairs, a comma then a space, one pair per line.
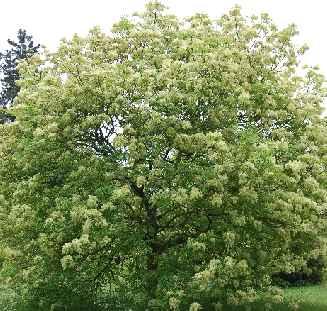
314, 297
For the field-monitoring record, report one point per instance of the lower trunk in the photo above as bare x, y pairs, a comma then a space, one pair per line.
152, 276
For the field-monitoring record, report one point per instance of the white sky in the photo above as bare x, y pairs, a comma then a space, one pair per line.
50, 20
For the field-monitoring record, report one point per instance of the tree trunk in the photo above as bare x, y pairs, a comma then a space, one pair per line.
152, 275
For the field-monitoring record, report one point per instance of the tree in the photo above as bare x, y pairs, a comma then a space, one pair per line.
172, 164
20, 50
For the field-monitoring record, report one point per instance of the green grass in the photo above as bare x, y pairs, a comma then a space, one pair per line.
308, 298
314, 298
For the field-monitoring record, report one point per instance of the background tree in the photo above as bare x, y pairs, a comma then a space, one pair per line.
172, 163
19, 50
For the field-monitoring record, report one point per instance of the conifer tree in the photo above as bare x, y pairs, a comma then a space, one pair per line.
21, 49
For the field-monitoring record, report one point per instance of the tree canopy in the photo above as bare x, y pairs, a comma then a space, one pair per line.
173, 164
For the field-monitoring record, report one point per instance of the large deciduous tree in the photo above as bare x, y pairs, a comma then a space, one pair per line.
19, 50
172, 163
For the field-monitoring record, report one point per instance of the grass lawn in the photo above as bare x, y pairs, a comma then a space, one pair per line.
314, 298
309, 298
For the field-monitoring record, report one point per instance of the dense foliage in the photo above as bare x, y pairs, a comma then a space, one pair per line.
9, 59
312, 272
173, 164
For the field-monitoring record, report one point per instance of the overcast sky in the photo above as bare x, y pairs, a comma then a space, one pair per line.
50, 20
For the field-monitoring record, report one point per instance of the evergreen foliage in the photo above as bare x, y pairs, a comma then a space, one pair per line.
19, 50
